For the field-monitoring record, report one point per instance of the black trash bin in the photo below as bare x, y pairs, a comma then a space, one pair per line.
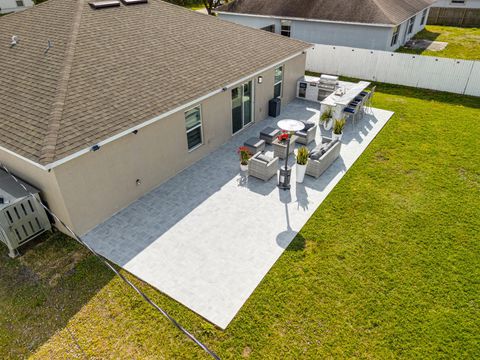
274, 107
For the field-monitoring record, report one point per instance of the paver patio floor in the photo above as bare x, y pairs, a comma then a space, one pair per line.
209, 235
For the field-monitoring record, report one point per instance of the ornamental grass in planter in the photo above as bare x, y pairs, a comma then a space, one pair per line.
338, 126
302, 159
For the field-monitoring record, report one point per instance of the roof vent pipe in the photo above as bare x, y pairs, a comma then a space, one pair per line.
14, 41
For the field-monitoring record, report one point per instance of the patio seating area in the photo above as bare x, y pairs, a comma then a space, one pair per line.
209, 235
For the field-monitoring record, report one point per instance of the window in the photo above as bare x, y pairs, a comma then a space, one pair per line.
277, 88
458, 2
396, 31
20, 3
286, 27
424, 17
411, 22
269, 28
193, 124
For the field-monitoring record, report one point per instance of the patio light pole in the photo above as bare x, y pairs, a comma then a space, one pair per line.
290, 127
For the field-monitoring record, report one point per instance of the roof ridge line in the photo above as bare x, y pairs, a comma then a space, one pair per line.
47, 152
385, 13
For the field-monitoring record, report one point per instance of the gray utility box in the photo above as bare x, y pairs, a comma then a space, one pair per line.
22, 218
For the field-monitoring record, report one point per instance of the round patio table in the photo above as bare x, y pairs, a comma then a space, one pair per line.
290, 127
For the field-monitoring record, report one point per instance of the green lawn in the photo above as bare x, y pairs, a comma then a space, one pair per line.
387, 267
463, 43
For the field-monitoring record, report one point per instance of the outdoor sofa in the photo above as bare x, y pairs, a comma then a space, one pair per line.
322, 157
262, 166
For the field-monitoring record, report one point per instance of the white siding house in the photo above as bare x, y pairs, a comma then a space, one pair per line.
7, 6
354, 31
465, 4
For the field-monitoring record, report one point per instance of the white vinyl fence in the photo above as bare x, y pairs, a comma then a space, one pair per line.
452, 75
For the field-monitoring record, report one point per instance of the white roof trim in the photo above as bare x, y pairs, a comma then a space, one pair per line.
148, 122
305, 19
31, 162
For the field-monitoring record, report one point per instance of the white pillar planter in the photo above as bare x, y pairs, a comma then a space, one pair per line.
243, 167
301, 173
337, 136
327, 125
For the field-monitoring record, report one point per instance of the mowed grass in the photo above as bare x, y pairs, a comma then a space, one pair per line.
463, 43
387, 267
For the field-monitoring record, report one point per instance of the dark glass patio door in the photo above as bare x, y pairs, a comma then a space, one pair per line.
242, 106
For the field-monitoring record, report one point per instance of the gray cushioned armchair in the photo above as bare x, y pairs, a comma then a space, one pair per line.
306, 136
261, 169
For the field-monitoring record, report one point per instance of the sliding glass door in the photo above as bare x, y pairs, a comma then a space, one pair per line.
242, 106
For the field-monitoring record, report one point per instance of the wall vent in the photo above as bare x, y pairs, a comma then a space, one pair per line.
104, 4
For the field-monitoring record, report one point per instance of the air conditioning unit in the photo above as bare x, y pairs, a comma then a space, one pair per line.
22, 218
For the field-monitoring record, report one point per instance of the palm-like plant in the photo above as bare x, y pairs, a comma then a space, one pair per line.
338, 126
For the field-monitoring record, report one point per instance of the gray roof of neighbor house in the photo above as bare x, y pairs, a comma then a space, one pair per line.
388, 12
111, 69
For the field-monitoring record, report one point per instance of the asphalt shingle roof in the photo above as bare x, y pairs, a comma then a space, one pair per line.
111, 69
388, 12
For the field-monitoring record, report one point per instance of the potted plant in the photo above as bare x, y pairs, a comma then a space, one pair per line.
283, 137
302, 159
338, 126
244, 157
326, 118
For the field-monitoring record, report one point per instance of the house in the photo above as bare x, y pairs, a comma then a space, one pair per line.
104, 101
455, 13
370, 24
7, 6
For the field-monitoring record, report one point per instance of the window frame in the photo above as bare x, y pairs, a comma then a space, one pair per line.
396, 32
275, 83
410, 25
200, 125
285, 24
269, 28
424, 17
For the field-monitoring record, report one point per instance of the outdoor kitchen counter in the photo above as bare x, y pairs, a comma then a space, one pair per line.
352, 91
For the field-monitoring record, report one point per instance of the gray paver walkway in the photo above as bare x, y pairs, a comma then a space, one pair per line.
209, 235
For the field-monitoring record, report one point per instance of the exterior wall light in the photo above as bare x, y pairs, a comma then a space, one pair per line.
138, 182
260, 79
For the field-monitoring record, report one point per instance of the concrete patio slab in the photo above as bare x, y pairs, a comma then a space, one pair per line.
209, 235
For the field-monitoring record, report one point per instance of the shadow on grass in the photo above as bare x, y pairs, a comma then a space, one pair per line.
43, 289
297, 244
422, 94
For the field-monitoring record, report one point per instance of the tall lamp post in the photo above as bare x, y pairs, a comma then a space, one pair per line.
290, 127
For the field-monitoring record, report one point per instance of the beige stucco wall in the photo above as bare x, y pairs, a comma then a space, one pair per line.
96, 185
41, 179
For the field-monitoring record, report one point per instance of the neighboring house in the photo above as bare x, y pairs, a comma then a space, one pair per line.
370, 24
126, 97
455, 13
7, 6
458, 4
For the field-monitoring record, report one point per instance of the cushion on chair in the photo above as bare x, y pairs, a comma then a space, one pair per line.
264, 158
269, 131
301, 133
254, 142
315, 155
308, 125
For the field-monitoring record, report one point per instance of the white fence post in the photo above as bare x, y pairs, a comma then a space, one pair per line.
428, 72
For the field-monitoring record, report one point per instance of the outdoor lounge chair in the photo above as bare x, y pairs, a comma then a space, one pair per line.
315, 167
308, 134
262, 167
